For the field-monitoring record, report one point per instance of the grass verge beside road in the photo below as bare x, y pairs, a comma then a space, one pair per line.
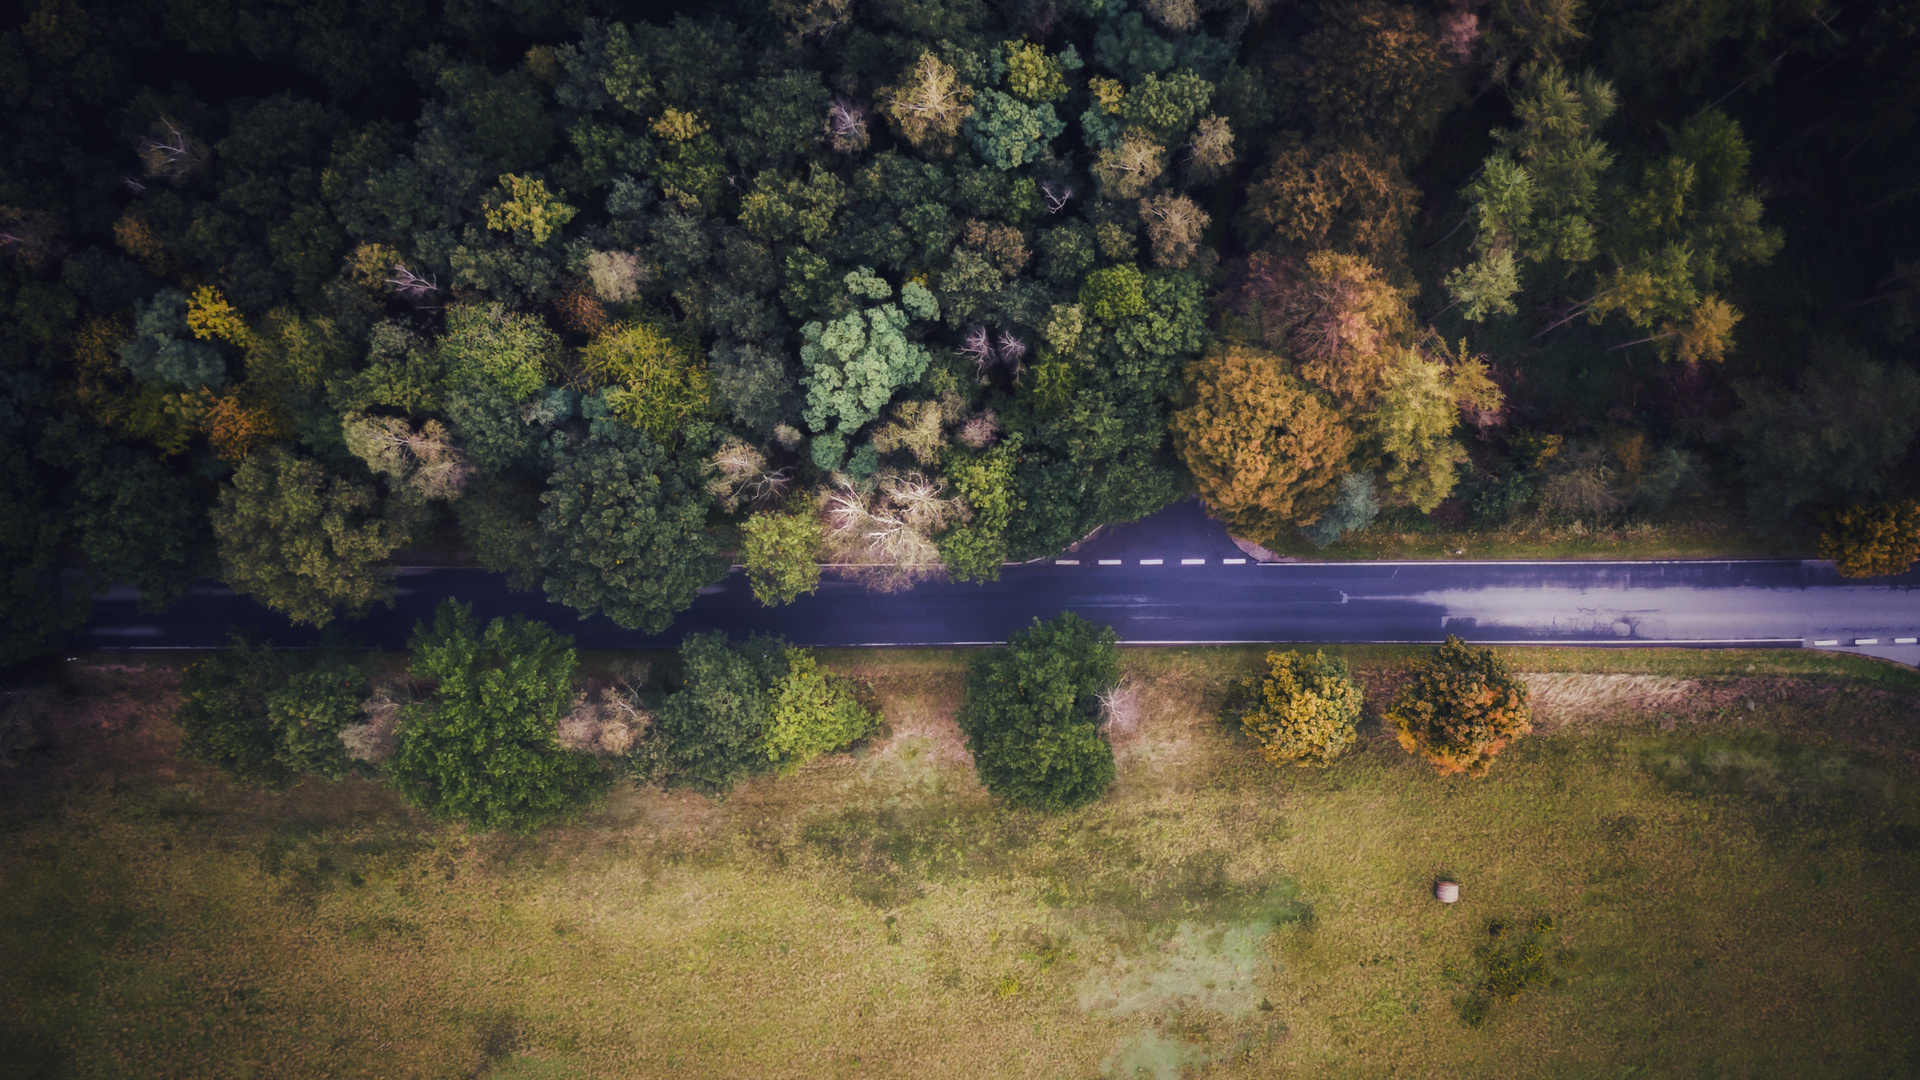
1725, 843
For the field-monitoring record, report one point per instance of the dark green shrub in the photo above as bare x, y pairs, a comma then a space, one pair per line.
483, 747
265, 716
1032, 712
711, 733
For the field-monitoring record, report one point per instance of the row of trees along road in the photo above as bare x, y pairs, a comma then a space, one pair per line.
597, 298
494, 728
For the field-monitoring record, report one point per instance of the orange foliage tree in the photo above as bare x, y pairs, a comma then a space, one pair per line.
1264, 448
236, 425
1462, 708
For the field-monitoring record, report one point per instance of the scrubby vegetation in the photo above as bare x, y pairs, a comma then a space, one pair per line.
592, 294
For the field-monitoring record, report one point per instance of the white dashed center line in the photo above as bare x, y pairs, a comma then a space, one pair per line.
1828, 641
1866, 641
1151, 562
1233, 562
1906, 641
1109, 562
1193, 562
1066, 562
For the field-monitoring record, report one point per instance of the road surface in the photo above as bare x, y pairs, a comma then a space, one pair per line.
1176, 578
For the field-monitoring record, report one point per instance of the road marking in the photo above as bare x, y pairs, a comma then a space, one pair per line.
1233, 562
1906, 641
1866, 641
1066, 562
1828, 641
1193, 562
1151, 562
1110, 562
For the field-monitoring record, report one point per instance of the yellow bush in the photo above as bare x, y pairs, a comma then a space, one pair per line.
1868, 541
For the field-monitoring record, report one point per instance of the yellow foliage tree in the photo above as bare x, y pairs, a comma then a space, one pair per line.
1303, 712
928, 104
1871, 541
523, 205
656, 382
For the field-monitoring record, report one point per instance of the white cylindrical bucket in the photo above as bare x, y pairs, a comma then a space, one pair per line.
1447, 892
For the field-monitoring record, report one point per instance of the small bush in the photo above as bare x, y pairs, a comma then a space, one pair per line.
1510, 966
1303, 712
1870, 541
814, 712
1462, 708
1031, 714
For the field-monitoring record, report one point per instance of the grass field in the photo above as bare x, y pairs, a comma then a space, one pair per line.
1726, 844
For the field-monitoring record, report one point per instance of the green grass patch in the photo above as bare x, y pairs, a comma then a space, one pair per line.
1728, 888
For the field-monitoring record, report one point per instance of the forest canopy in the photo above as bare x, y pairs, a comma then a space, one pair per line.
596, 294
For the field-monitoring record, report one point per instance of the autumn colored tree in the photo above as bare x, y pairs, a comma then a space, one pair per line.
1344, 326
1462, 708
1303, 712
1262, 445
1347, 196
1872, 540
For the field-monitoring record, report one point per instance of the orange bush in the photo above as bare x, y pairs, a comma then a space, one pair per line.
1463, 707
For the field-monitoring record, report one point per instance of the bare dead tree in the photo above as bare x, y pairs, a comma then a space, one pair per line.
742, 477
1056, 195
978, 347
979, 431
1010, 350
131, 184
414, 288
847, 126
169, 152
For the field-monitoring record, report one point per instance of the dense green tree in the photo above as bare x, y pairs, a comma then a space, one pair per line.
1007, 132
307, 543
483, 745
975, 549
623, 531
269, 717
1835, 437
163, 349
143, 524
36, 612
781, 552
713, 730
855, 364
1032, 714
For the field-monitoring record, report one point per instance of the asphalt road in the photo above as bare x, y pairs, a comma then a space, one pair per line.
1176, 578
